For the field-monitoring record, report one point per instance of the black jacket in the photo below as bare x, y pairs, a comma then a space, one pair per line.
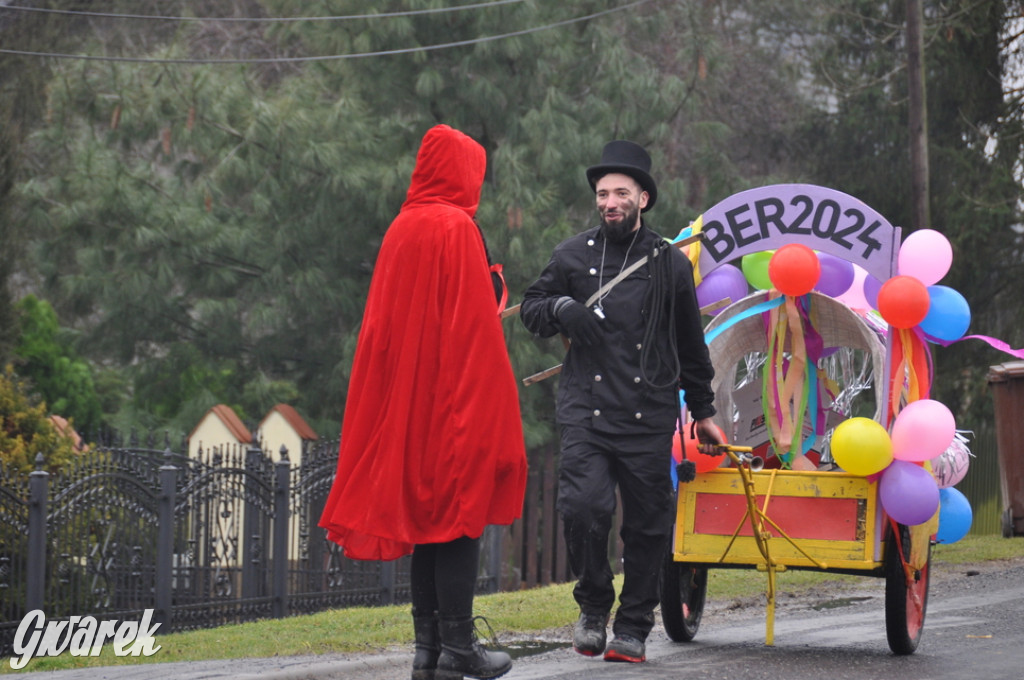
604, 387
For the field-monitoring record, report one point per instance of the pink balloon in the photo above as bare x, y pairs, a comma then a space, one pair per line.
922, 431
854, 295
908, 493
926, 255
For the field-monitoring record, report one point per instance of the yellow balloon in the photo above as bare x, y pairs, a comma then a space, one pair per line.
861, 446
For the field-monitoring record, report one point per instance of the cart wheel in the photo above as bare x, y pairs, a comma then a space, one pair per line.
905, 603
683, 590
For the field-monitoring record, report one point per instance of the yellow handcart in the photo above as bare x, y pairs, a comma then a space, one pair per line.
811, 516
774, 520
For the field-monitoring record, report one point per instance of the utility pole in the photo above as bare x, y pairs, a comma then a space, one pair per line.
918, 117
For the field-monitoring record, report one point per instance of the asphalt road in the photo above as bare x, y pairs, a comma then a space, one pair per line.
974, 630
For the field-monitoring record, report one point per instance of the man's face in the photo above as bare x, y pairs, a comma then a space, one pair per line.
619, 202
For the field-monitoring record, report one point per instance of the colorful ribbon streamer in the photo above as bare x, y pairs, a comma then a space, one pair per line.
910, 374
790, 382
694, 250
995, 343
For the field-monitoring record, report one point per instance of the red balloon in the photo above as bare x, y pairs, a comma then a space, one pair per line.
703, 461
794, 269
903, 301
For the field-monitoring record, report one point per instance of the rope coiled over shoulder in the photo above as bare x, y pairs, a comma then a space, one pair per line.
660, 300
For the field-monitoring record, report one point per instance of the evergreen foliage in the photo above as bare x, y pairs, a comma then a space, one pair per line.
210, 230
858, 144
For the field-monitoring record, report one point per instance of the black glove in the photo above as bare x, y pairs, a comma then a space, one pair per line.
579, 323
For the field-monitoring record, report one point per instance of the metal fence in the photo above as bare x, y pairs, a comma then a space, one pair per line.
226, 537
981, 484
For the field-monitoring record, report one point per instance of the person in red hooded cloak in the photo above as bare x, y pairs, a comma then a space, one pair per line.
432, 443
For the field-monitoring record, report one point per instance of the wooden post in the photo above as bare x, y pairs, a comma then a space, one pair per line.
918, 117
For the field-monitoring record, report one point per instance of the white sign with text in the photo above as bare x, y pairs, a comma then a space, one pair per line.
82, 636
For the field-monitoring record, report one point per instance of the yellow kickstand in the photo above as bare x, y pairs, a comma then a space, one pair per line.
758, 518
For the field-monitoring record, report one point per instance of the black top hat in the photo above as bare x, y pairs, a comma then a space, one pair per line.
630, 159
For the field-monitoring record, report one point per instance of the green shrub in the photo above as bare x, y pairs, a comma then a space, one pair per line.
26, 430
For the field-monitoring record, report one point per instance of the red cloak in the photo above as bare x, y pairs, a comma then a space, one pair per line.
432, 442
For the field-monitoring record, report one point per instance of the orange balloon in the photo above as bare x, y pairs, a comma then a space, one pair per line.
794, 269
903, 301
703, 461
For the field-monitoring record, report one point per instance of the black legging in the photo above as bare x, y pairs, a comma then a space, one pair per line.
444, 578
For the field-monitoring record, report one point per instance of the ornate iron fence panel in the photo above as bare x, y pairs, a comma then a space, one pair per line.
102, 525
320, 576
14, 514
225, 537
222, 532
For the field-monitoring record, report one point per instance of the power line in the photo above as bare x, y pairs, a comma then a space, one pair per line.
333, 57
158, 17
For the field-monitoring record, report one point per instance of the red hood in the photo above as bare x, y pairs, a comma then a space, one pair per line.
449, 169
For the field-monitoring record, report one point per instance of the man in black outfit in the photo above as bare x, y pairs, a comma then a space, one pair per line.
633, 346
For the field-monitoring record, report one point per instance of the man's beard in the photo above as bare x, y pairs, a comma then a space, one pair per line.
619, 231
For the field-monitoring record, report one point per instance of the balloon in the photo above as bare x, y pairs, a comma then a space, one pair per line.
955, 516
725, 282
908, 493
854, 295
951, 466
755, 268
794, 269
861, 446
925, 255
703, 461
948, 316
836, 275
922, 430
903, 301
871, 288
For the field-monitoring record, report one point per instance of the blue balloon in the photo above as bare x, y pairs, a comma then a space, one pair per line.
948, 316
955, 516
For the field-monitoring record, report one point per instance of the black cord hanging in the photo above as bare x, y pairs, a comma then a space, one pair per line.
660, 300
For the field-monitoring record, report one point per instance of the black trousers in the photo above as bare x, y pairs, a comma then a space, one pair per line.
592, 466
443, 578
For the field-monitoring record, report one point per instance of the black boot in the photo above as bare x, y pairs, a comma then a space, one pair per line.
462, 654
428, 646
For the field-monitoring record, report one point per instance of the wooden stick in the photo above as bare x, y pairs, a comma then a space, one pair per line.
543, 375
715, 306
514, 309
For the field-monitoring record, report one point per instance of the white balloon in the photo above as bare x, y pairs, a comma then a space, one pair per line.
951, 466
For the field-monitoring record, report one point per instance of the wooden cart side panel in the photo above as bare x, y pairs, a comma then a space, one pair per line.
832, 517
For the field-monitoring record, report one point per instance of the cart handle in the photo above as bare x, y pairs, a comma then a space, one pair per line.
743, 455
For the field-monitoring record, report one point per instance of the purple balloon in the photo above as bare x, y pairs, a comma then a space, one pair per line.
871, 288
836, 275
726, 281
908, 493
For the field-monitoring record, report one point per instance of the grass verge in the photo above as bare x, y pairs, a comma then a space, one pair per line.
361, 630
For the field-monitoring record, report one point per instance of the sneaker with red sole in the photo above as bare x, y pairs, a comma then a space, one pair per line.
625, 648
588, 637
